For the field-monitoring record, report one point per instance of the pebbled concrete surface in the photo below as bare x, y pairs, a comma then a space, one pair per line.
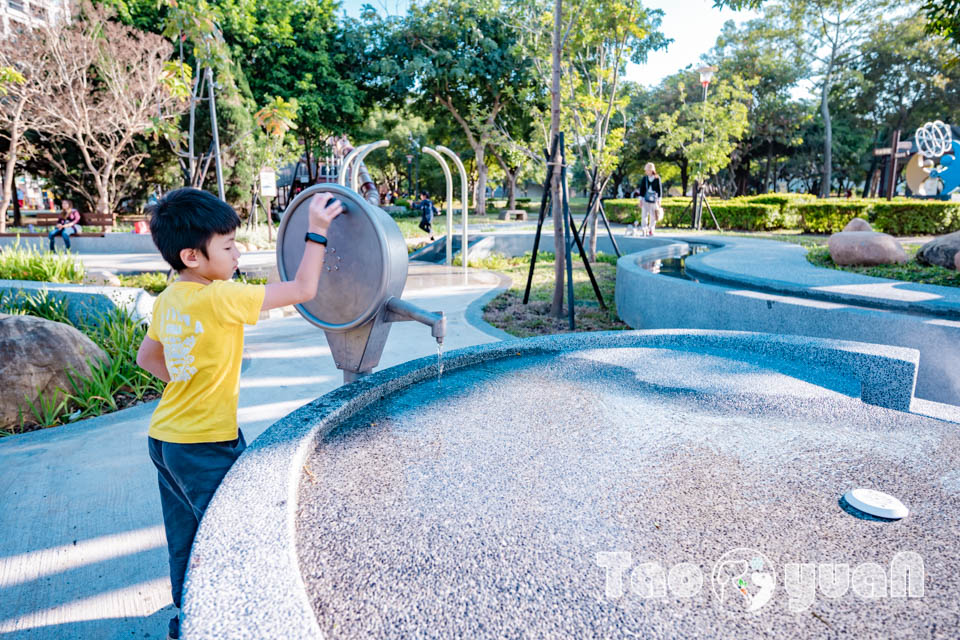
82, 550
244, 579
476, 507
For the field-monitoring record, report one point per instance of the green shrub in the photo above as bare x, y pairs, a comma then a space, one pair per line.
830, 216
110, 386
26, 263
522, 200
401, 202
748, 217
623, 210
916, 217
153, 283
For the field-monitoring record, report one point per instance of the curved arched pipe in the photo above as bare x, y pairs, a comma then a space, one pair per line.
361, 168
446, 173
345, 165
463, 200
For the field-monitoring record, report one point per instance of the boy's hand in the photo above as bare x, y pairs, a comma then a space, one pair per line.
323, 209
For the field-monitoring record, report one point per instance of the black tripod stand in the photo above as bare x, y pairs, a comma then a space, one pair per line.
698, 202
570, 233
595, 199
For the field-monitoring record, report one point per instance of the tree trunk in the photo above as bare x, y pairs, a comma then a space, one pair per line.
684, 176
511, 189
556, 305
11, 164
827, 138
17, 218
766, 172
480, 200
592, 221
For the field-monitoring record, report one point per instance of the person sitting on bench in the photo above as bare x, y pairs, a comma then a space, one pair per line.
67, 224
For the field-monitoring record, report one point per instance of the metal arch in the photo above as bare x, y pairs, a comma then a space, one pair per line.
463, 200
345, 165
446, 173
364, 150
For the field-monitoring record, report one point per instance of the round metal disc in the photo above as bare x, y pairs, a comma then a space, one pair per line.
876, 503
354, 280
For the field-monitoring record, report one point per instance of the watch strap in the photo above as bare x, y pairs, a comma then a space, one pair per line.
315, 237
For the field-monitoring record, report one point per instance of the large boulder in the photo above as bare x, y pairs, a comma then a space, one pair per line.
865, 248
37, 354
941, 251
858, 224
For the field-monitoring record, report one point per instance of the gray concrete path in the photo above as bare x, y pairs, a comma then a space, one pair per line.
783, 268
82, 550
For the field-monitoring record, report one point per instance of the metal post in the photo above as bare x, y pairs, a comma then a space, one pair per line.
446, 173
365, 149
892, 179
216, 135
464, 204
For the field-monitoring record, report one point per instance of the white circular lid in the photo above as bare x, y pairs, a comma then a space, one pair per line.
876, 503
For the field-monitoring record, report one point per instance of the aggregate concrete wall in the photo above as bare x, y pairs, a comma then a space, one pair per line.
109, 243
86, 302
649, 301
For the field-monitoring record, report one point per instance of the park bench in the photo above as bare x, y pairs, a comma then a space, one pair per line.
49, 219
514, 214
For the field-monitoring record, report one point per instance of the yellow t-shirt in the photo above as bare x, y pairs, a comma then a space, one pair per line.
201, 329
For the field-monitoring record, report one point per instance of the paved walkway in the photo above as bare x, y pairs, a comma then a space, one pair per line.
783, 268
83, 553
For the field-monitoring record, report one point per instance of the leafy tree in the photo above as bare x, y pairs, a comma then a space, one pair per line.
753, 53
458, 59
943, 18
605, 36
106, 84
705, 132
21, 60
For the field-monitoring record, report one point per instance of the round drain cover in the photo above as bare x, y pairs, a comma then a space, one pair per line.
876, 503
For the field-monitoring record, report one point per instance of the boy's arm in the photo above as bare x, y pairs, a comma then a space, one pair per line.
150, 357
304, 286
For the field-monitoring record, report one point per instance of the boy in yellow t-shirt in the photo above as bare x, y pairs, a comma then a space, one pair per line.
195, 344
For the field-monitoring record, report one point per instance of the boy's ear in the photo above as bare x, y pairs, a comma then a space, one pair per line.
189, 258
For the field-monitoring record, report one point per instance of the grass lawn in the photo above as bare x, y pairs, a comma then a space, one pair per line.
911, 271
508, 312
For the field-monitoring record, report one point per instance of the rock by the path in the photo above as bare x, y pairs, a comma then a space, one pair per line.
941, 251
102, 277
865, 248
37, 354
956, 261
858, 224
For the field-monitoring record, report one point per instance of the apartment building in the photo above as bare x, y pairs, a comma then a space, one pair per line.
14, 13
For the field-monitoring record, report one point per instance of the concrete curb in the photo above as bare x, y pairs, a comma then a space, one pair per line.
244, 578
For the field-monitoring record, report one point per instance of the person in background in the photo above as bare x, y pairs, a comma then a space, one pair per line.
67, 224
427, 211
650, 194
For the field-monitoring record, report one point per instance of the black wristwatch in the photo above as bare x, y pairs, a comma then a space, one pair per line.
315, 237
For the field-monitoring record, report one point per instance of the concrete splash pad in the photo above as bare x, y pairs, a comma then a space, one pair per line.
477, 507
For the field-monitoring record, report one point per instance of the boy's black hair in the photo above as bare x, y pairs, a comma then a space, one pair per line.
186, 219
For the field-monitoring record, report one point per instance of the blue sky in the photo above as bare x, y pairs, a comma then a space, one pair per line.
693, 24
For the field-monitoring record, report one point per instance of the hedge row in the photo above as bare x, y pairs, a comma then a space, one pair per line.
796, 211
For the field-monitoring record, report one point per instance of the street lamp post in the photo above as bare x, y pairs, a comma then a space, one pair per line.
706, 75
410, 173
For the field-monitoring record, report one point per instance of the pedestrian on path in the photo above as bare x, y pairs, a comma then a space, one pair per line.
195, 345
67, 224
427, 211
651, 192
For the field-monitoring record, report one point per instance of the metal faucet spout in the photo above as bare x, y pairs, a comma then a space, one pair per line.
397, 310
